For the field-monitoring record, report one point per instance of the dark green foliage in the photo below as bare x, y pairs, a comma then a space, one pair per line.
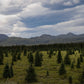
11, 71
25, 52
6, 54
59, 57
6, 73
81, 79
62, 69
81, 58
31, 75
47, 73
78, 63
30, 57
67, 60
72, 65
70, 80
19, 56
1, 58
50, 53
14, 57
38, 60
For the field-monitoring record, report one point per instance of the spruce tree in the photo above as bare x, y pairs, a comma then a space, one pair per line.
19, 56
38, 61
70, 80
62, 69
1, 58
72, 65
11, 71
30, 57
81, 58
82, 78
67, 60
6, 73
31, 75
59, 57
78, 63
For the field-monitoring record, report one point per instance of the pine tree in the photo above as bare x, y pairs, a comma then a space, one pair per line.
30, 57
67, 60
19, 56
11, 71
14, 57
70, 80
31, 75
1, 58
59, 57
62, 69
81, 58
78, 63
82, 78
6, 73
72, 65
47, 73
38, 61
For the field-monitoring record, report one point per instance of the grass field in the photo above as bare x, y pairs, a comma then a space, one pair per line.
48, 64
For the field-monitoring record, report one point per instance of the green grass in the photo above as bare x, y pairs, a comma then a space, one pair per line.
49, 64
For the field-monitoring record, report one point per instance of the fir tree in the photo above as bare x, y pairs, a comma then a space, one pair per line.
81, 58
31, 75
70, 80
62, 69
6, 73
30, 57
38, 61
78, 63
67, 60
19, 56
1, 58
11, 71
72, 65
59, 57
82, 78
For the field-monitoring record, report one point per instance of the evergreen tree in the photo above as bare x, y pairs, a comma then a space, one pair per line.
31, 75
1, 58
72, 65
70, 80
30, 57
78, 63
11, 71
67, 60
6, 73
47, 73
82, 78
14, 57
38, 61
19, 56
81, 58
62, 69
59, 57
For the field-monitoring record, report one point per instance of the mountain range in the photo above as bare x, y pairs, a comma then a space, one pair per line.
43, 39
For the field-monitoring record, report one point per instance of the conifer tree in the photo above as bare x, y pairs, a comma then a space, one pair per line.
6, 73
30, 57
31, 75
11, 71
47, 73
82, 78
38, 59
78, 63
19, 56
1, 58
67, 60
62, 69
72, 65
59, 57
81, 58
70, 80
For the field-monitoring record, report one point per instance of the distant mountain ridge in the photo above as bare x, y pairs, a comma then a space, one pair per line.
43, 39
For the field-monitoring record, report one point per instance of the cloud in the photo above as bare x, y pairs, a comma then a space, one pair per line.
27, 18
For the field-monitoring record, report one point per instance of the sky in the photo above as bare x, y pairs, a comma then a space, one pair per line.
31, 18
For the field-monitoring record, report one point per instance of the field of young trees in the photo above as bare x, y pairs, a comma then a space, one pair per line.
42, 64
